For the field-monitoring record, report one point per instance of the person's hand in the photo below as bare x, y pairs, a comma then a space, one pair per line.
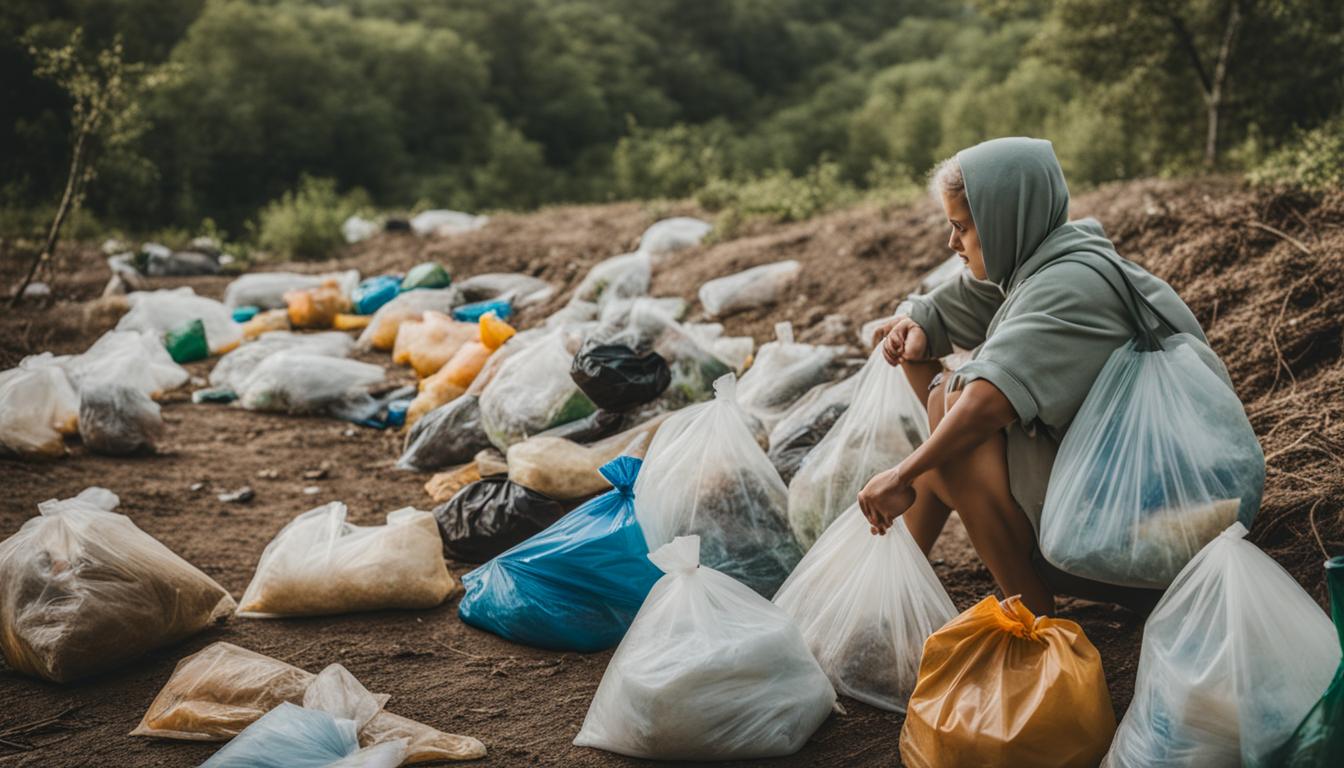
886, 497
905, 342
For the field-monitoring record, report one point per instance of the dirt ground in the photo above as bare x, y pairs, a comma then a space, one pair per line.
1269, 296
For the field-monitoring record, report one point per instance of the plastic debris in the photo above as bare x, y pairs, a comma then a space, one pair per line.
266, 322
1318, 741
521, 290
233, 369
371, 294
448, 435
532, 392
806, 422
118, 419
267, 289
357, 229
488, 516
668, 236
457, 374
158, 312
298, 381
187, 344
429, 274
755, 287
316, 307
616, 378
441, 222
382, 330
38, 406
564, 469
783, 371
470, 313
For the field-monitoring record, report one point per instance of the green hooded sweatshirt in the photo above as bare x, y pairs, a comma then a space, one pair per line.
1041, 330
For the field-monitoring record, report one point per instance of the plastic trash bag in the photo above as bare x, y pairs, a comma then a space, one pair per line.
521, 290
297, 381
885, 423
131, 358
428, 274
491, 515
450, 434
943, 273
267, 289
865, 605
382, 331
233, 368
645, 325
668, 236
807, 422
1158, 461
373, 292
38, 406
1220, 682
532, 392
616, 378
1318, 741
117, 419
426, 344
83, 591
563, 469
755, 287
318, 306
456, 375
783, 372
707, 475
1000, 686
319, 564
157, 312
575, 586
266, 322
619, 277
736, 351
356, 229
709, 670
187, 344
217, 692
441, 222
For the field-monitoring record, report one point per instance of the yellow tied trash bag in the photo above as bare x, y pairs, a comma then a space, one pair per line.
1000, 686
316, 307
430, 342
461, 370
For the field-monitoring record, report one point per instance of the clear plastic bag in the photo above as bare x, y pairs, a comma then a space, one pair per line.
885, 422
381, 332
736, 351
456, 375
619, 277
299, 382
319, 564
668, 236
574, 586
117, 419
232, 370
83, 591
709, 670
450, 434
705, 474
755, 287
130, 358
564, 469
944, 272
441, 221
783, 372
1233, 657
522, 290
532, 392
1158, 461
807, 422
38, 406
865, 605
291, 736
217, 692
429, 342
158, 312
267, 289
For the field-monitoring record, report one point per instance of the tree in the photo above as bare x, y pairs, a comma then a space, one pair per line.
105, 93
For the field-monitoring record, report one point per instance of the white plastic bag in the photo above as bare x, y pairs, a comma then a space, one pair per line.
1158, 461
1233, 657
37, 407
320, 564
806, 423
709, 670
532, 391
885, 422
755, 287
267, 289
619, 277
158, 312
83, 590
233, 368
865, 605
441, 222
521, 290
131, 358
299, 382
356, 229
736, 351
117, 419
944, 272
668, 236
705, 474
782, 372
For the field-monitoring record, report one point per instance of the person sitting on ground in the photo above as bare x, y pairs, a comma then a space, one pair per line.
1041, 329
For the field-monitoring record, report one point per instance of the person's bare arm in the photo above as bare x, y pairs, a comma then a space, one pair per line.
979, 411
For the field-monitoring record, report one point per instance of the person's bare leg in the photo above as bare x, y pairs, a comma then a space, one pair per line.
920, 374
976, 485
926, 518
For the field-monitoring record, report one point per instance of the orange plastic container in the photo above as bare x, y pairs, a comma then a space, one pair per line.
316, 307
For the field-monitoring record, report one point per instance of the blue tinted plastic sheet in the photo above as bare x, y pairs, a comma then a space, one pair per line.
374, 292
470, 313
577, 585
288, 736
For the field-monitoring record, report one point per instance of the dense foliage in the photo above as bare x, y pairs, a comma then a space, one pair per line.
479, 104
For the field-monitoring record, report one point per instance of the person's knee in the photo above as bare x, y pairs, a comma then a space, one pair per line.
934, 406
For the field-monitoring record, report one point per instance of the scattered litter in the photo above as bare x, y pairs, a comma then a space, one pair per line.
429, 274
117, 419
1001, 686
347, 322
158, 312
316, 307
755, 287
239, 496
357, 229
187, 344
243, 314
617, 378
270, 321
470, 313
783, 371
865, 605
38, 407
574, 586
619, 277
456, 375
488, 516
129, 358
311, 490
521, 290
233, 369
267, 289
320, 564
444, 486
86, 591
709, 670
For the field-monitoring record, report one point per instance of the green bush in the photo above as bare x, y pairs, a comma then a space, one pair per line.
778, 196
306, 223
1314, 160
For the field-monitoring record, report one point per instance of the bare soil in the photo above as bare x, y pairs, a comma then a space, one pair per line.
1263, 271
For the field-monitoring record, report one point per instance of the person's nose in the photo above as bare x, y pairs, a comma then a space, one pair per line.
954, 242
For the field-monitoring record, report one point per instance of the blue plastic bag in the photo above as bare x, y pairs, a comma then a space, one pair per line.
289, 736
577, 585
243, 314
470, 313
374, 292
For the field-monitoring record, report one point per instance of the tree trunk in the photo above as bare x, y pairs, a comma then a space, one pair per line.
68, 202
1214, 95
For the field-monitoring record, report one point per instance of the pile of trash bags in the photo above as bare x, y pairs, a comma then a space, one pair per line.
218, 692
320, 564
84, 591
170, 310
783, 371
709, 670
806, 422
532, 392
456, 374
491, 515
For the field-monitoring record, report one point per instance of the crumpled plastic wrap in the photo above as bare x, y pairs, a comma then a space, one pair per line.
118, 420
38, 406
300, 382
755, 287
158, 312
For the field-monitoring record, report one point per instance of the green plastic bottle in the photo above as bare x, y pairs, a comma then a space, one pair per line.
187, 344
1318, 741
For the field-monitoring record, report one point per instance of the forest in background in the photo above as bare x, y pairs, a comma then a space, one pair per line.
490, 104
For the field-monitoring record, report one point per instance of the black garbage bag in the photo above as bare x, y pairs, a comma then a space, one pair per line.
446, 436
617, 378
590, 428
787, 455
489, 516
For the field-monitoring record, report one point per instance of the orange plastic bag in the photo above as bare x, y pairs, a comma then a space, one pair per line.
344, 322
265, 322
999, 686
316, 307
456, 375
430, 342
